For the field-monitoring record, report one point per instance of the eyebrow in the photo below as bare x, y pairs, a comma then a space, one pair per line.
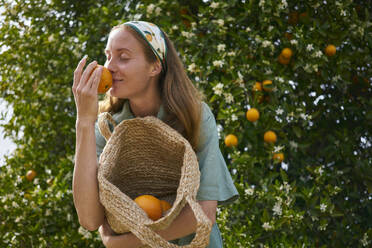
119, 49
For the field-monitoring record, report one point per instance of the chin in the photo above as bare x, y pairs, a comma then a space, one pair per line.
115, 93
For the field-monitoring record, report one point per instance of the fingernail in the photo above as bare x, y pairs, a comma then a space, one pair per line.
85, 56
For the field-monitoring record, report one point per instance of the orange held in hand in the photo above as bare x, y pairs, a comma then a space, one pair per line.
106, 80
151, 205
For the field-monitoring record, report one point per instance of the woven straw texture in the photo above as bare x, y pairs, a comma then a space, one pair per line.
146, 156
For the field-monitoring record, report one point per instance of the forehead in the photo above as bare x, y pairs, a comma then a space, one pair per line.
122, 39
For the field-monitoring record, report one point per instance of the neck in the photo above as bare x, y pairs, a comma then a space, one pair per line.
145, 106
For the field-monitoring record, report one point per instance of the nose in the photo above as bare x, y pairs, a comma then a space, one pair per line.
109, 64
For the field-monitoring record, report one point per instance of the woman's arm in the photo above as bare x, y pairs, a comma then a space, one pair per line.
183, 225
85, 183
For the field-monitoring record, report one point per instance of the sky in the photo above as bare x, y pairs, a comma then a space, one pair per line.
6, 145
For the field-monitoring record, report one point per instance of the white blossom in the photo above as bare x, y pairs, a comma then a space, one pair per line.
214, 5
269, 72
277, 209
323, 207
279, 111
304, 116
15, 204
187, 34
267, 226
218, 63
343, 13
192, 67
320, 171
219, 22
261, 3
229, 98
323, 227
221, 47
218, 89
157, 11
309, 47
248, 29
365, 240
231, 54
174, 27
336, 78
234, 117
85, 233
266, 43
283, 4
48, 212
317, 54
294, 42
150, 8
286, 187
278, 148
249, 191
137, 17
293, 144
279, 79
308, 68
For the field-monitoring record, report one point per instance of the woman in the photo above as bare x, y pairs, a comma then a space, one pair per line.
148, 79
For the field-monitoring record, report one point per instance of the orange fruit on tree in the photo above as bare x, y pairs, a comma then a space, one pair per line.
165, 206
257, 86
231, 140
252, 115
270, 137
267, 85
278, 156
287, 53
106, 80
151, 205
330, 50
30, 175
283, 60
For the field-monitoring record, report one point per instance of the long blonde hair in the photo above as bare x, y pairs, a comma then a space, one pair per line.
180, 98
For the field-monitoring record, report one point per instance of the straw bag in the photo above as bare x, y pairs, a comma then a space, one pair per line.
146, 156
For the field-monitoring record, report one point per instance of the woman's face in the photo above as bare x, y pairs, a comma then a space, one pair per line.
133, 77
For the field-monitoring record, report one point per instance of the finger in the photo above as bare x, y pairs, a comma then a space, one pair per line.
91, 80
78, 71
87, 73
95, 82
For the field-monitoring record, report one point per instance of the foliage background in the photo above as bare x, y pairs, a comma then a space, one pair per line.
320, 109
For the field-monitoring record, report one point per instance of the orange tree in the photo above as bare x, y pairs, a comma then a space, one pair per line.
305, 66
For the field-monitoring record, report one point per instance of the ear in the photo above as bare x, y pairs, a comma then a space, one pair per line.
155, 68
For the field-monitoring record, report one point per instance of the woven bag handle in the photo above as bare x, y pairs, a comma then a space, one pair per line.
103, 126
201, 239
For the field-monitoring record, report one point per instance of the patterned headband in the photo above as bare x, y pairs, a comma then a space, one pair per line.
154, 37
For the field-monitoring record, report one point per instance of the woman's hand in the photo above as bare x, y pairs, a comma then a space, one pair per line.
106, 233
85, 91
